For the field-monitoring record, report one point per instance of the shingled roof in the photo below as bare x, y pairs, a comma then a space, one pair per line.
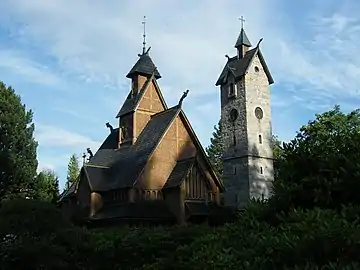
239, 66
118, 168
144, 66
180, 172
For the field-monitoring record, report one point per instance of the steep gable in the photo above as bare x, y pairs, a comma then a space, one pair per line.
178, 143
239, 66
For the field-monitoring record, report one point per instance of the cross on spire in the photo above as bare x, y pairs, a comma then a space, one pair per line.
144, 34
242, 20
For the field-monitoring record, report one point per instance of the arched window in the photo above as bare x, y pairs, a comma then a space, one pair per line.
260, 139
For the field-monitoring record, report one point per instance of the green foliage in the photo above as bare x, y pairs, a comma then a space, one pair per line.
47, 186
320, 167
18, 162
305, 240
34, 235
131, 248
73, 171
215, 150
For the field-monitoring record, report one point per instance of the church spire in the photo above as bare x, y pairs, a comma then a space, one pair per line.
242, 43
144, 35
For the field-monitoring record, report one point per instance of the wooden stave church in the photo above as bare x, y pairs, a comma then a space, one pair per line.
150, 169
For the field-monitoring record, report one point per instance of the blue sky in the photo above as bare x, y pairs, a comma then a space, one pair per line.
68, 60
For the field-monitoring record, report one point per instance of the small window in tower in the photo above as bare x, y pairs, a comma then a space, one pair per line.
231, 89
257, 69
261, 170
234, 170
260, 139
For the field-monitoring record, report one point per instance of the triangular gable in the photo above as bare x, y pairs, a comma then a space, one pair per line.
158, 91
266, 69
131, 105
241, 66
195, 140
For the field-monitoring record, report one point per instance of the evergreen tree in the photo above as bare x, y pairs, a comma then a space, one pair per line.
18, 161
215, 150
47, 186
73, 171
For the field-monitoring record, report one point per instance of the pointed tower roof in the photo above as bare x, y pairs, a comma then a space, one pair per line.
144, 66
242, 39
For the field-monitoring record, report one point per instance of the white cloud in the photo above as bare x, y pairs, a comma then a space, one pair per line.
32, 71
99, 42
52, 137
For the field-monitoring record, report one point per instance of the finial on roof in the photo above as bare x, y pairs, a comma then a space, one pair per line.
228, 57
84, 158
183, 97
89, 152
242, 20
144, 35
110, 127
261, 39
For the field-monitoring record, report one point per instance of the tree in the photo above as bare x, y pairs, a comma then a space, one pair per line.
276, 146
320, 167
215, 150
73, 171
18, 161
47, 186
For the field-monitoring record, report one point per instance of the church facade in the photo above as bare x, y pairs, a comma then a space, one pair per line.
152, 167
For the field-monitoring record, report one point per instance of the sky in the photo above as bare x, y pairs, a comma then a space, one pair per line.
68, 60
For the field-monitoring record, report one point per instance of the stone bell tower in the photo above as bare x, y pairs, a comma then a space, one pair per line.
246, 124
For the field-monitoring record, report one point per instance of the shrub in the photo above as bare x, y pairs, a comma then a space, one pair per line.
306, 239
34, 235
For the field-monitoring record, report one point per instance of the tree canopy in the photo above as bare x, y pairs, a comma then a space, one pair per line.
320, 166
73, 171
18, 161
215, 149
47, 186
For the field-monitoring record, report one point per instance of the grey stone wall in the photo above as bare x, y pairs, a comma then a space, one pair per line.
248, 164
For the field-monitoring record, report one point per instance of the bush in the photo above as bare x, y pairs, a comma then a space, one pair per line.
306, 239
131, 248
34, 235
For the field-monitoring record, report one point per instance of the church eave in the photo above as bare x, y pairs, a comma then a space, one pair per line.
266, 69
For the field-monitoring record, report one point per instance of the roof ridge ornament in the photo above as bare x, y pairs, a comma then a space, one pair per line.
183, 97
261, 39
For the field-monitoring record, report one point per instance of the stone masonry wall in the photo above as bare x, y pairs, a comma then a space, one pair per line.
247, 163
